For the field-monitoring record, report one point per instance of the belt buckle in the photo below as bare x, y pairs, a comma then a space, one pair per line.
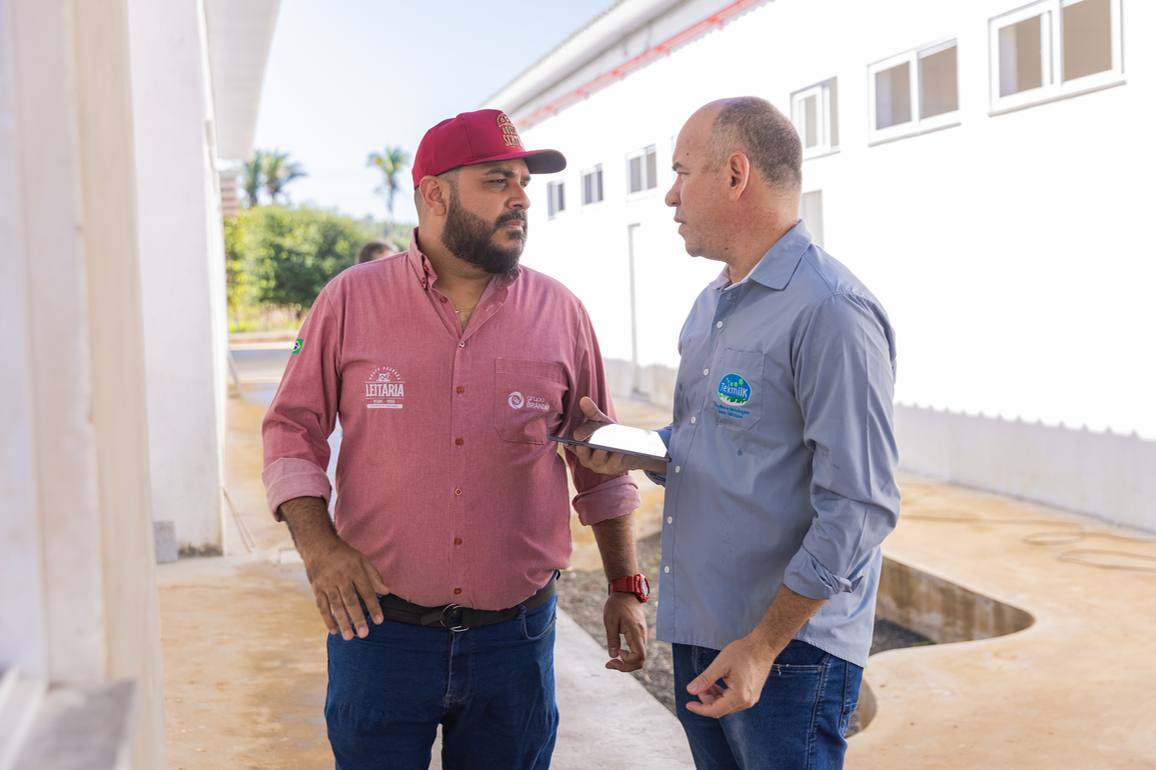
449, 610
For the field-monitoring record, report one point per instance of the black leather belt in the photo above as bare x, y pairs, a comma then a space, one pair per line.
456, 617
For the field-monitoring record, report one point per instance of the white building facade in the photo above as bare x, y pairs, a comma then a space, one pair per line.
980, 165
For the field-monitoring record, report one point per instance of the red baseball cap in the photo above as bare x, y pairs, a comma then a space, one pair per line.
478, 137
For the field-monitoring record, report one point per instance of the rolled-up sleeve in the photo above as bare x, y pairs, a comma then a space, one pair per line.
599, 497
296, 429
844, 378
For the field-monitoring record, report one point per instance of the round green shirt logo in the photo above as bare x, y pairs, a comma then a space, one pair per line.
733, 389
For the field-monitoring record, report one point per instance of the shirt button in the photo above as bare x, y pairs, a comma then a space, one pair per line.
459, 441
693, 420
666, 568
458, 492
705, 372
719, 324
457, 591
457, 541
461, 344
669, 519
678, 469
443, 300
461, 389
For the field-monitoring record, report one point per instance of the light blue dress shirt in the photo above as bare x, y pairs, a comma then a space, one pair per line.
782, 453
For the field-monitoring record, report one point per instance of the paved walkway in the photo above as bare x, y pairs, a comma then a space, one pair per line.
245, 659
245, 654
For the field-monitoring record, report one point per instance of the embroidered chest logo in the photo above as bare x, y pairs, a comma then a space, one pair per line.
734, 392
517, 401
384, 389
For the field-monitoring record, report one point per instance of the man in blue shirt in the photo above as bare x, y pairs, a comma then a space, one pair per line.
781, 483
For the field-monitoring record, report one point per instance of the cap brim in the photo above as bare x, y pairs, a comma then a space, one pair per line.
537, 161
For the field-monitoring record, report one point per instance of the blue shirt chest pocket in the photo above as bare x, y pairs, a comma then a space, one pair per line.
734, 388
527, 399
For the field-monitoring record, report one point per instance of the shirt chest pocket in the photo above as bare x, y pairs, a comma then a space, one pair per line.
734, 391
527, 399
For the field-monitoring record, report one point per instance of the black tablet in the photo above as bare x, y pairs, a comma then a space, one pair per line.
623, 439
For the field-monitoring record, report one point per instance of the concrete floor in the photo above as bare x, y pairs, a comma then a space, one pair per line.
1077, 689
245, 659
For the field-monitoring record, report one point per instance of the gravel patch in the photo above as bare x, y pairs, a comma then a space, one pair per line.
582, 595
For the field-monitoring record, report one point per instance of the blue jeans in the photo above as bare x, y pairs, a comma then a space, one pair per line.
798, 723
490, 687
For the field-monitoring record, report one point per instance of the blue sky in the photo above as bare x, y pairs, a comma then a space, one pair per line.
348, 77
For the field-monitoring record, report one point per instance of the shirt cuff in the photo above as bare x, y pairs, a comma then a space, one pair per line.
807, 577
608, 500
291, 477
657, 478
660, 478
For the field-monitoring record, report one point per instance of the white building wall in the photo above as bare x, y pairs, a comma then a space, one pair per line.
1011, 251
182, 268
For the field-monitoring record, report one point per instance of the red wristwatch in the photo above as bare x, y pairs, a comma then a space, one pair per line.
632, 584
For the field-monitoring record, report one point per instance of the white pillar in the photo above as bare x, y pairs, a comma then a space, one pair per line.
82, 491
182, 268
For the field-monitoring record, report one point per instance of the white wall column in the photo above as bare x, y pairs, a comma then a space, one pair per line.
66, 149
182, 268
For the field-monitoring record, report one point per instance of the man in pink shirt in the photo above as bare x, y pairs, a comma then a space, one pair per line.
448, 364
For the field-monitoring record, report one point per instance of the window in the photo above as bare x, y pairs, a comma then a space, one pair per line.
914, 92
556, 197
592, 185
815, 113
1053, 49
642, 170
811, 212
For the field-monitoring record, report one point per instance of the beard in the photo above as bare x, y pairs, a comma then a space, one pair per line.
470, 238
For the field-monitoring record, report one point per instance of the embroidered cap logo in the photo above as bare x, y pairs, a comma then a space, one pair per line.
509, 133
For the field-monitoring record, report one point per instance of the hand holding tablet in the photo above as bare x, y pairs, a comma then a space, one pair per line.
600, 433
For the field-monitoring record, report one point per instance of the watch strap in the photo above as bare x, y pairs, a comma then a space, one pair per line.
632, 584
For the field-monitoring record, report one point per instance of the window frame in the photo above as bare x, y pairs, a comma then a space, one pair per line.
1053, 57
599, 181
823, 105
648, 185
555, 193
916, 125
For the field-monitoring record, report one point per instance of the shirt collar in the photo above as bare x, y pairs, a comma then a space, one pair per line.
424, 271
777, 266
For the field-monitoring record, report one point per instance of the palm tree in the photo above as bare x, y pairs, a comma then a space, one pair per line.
279, 173
390, 163
254, 178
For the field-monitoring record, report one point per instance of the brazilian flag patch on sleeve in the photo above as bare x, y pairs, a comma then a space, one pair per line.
297, 346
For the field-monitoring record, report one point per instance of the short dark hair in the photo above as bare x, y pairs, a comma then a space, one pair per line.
755, 127
370, 250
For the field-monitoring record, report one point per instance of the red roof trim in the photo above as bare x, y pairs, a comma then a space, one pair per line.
665, 47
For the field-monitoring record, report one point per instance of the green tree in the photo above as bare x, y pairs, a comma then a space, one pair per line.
254, 178
278, 172
279, 257
390, 163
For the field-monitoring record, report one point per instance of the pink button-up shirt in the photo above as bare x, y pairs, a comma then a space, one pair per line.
446, 479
